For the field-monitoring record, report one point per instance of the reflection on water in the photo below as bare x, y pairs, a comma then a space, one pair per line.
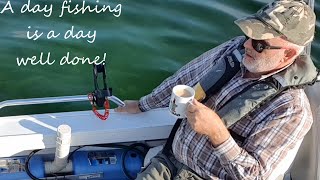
149, 41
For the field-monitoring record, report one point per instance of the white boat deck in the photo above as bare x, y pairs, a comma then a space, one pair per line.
28, 132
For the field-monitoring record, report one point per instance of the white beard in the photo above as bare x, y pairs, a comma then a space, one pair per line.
261, 65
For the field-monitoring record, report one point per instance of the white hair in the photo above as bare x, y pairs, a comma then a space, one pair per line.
299, 48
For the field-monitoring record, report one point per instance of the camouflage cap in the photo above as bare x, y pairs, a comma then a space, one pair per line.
293, 19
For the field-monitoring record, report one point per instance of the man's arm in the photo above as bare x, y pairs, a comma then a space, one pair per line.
190, 74
266, 146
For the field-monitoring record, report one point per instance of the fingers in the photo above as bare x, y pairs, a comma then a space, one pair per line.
125, 108
193, 106
131, 106
120, 109
196, 102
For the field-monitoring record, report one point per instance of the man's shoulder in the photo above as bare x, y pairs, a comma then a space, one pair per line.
227, 46
237, 40
216, 53
234, 42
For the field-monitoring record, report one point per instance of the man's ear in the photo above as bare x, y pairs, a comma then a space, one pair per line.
289, 53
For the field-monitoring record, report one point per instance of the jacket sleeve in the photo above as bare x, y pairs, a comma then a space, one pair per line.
189, 74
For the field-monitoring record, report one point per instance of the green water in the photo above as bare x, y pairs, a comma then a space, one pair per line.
149, 41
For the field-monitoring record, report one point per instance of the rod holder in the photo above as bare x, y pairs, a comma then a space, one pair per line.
63, 142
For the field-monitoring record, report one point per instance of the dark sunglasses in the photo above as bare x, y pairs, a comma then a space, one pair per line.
260, 45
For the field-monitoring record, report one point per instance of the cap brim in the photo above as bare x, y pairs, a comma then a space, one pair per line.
255, 29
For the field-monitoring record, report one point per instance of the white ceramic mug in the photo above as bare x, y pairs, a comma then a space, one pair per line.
180, 97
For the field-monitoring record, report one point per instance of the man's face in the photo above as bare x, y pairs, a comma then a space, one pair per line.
266, 61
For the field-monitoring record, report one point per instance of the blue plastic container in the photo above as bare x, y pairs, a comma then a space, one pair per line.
106, 164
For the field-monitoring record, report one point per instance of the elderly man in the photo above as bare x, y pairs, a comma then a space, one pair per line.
216, 141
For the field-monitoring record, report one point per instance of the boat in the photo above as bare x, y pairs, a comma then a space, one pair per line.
82, 145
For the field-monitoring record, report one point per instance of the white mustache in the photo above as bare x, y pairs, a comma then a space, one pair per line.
249, 52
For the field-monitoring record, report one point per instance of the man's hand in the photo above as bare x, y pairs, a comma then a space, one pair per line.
129, 107
205, 121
